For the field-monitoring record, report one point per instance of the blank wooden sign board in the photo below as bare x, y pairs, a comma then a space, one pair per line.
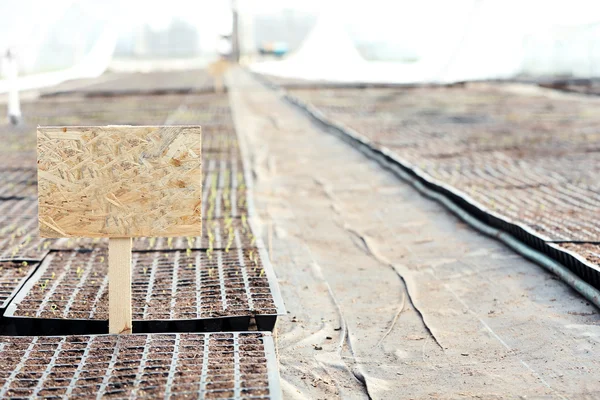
119, 182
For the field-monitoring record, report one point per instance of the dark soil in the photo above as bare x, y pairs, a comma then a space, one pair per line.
147, 371
176, 285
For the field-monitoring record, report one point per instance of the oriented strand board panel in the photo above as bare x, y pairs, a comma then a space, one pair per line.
119, 181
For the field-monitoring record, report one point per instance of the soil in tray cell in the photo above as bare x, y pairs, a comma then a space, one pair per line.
19, 238
18, 207
220, 139
18, 182
12, 277
176, 285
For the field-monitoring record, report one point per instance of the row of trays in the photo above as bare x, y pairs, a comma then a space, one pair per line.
182, 287
170, 366
221, 280
548, 207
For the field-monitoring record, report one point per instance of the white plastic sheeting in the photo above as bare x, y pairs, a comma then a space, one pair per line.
455, 41
60, 41
327, 53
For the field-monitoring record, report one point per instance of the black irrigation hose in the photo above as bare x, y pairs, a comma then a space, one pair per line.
544, 254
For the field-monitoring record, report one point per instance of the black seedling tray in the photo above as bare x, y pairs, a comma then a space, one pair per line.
18, 183
192, 290
172, 366
587, 272
19, 238
13, 276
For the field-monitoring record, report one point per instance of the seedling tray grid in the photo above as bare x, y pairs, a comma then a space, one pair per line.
171, 366
194, 290
12, 276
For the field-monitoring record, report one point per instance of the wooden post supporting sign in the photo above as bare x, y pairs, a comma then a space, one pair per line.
119, 182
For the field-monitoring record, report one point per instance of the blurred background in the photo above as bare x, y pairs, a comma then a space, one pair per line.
393, 41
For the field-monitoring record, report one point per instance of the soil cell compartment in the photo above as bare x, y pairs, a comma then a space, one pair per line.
12, 276
170, 366
18, 183
18, 207
220, 139
223, 170
19, 238
182, 291
122, 84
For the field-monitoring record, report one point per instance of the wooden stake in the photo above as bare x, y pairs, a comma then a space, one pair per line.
119, 286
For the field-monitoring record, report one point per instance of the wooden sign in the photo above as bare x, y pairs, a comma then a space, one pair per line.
119, 182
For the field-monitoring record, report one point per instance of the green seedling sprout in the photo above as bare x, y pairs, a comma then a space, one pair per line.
190, 241
229, 240
152, 241
144, 270
24, 263
101, 259
244, 224
170, 242
188, 252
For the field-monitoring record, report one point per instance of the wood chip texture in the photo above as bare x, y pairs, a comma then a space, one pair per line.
119, 181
